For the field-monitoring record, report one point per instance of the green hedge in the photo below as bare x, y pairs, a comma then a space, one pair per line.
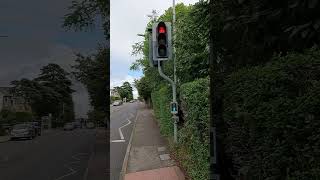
193, 148
161, 104
194, 136
9, 117
273, 118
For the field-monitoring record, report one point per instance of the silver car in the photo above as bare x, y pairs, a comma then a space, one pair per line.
22, 131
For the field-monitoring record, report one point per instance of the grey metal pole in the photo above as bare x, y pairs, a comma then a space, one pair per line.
174, 40
175, 132
176, 118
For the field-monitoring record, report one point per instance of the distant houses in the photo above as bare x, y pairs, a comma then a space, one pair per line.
114, 93
8, 101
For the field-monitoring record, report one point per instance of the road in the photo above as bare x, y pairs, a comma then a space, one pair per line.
123, 118
56, 155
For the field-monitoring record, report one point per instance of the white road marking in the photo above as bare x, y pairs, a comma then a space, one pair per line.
121, 134
72, 171
118, 141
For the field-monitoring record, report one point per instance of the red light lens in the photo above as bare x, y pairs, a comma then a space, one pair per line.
162, 29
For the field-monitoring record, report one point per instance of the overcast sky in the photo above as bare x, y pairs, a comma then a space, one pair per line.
36, 38
129, 18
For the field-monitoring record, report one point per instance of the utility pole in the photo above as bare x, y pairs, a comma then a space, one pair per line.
175, 117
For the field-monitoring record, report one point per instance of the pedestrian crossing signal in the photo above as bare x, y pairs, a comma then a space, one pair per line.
174, 107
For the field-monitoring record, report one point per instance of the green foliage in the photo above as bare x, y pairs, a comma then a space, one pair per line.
247, 32
92, 72
125, 91
192, 51
193, 148
84, 14
9, 117
161, 104
194, 137
272, 115
114, 98
143, 88
50, 92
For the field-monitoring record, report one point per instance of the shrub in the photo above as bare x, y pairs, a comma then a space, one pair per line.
193, 148
194, 133
9, 117
161, 104
273, 117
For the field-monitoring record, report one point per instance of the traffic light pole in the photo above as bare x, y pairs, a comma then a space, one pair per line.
174, 99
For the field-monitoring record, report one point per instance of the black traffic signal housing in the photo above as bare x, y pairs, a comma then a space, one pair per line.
161, 38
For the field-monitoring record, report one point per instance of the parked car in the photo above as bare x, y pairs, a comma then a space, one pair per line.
117, 103
90, 125
69, 126
37, 127
23, 131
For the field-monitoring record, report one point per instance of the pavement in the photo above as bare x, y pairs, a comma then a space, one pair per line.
56, 155
148, 156
122, 119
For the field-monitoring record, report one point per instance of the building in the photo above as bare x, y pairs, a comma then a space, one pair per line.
114, 93
11, 102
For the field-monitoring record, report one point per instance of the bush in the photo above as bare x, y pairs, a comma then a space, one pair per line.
9, 117
273, 117
193, 148
194, 137
161, 104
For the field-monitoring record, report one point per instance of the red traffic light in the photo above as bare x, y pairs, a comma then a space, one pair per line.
162, 29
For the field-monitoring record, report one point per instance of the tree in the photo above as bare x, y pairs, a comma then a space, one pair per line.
143, 88
56, 78
92, 72
49, 93
83, 15
125, 91
87, 12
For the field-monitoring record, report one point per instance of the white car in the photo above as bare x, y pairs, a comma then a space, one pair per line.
117, 103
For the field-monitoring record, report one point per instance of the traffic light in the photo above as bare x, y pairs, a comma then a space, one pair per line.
174, 107
161, 37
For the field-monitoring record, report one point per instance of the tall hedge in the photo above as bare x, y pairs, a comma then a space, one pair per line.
273, 117
161, 104
194, 137
193, 147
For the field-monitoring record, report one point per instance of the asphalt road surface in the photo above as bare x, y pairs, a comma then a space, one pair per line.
121, 124
56, 155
